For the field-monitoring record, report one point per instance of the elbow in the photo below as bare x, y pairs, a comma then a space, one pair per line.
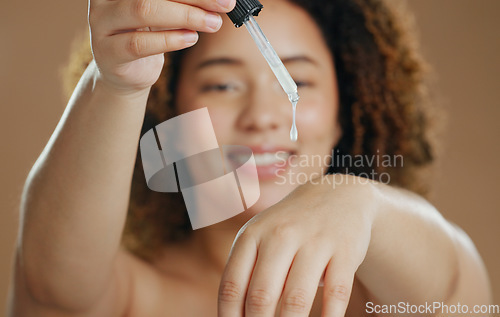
49, 290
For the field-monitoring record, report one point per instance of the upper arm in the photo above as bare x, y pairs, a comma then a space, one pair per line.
472, 285
113, 302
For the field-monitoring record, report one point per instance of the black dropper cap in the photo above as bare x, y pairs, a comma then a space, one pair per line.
243, 10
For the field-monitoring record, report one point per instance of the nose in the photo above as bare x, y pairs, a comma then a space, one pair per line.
265, 109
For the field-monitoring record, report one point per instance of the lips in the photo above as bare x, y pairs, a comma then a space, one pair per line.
271, 161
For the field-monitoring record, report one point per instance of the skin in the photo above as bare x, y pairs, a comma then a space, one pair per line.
371, 242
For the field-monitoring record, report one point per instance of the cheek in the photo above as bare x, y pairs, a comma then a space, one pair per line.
222, 122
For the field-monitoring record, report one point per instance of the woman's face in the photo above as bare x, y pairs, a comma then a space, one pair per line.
226, 73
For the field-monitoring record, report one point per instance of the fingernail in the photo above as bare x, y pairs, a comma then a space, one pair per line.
224, 3
190, 37
213, 21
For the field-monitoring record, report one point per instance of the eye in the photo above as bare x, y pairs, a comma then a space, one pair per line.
219, 87
302, 83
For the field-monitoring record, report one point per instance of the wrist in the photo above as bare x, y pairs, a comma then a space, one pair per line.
364, 196
364, 191
101, 85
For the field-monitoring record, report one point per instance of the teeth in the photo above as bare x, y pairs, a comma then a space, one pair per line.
263, 159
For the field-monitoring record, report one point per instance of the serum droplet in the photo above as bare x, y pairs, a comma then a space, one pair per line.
293, 132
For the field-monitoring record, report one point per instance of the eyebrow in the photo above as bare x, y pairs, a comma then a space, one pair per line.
219, 61
299, 58
236, 62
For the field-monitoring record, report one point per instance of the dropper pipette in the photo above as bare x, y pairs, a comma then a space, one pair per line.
279, 70
243, 14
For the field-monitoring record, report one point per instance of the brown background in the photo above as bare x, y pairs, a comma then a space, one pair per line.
459, 37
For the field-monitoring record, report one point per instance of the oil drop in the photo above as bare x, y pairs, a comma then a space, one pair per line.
293, 131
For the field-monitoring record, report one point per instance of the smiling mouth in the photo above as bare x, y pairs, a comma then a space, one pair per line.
263, 159
269, 162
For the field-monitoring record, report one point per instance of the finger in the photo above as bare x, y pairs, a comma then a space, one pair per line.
236, 277
211, 5
126, 47
135, 14
302, 283
268, 277
339, 278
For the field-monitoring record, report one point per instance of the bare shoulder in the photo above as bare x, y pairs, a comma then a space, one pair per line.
471, 286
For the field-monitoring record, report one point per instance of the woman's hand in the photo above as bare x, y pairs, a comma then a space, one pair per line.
129, 37
283, 252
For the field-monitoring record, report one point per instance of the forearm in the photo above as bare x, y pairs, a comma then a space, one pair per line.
75, 199
414, 254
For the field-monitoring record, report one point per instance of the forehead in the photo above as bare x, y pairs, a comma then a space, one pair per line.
289, 28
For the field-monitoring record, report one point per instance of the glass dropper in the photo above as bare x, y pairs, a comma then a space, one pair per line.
243, 14
279, 70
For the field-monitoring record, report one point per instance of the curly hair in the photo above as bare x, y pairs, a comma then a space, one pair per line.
382, 110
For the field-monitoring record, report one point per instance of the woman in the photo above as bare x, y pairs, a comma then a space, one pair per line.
364, 243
